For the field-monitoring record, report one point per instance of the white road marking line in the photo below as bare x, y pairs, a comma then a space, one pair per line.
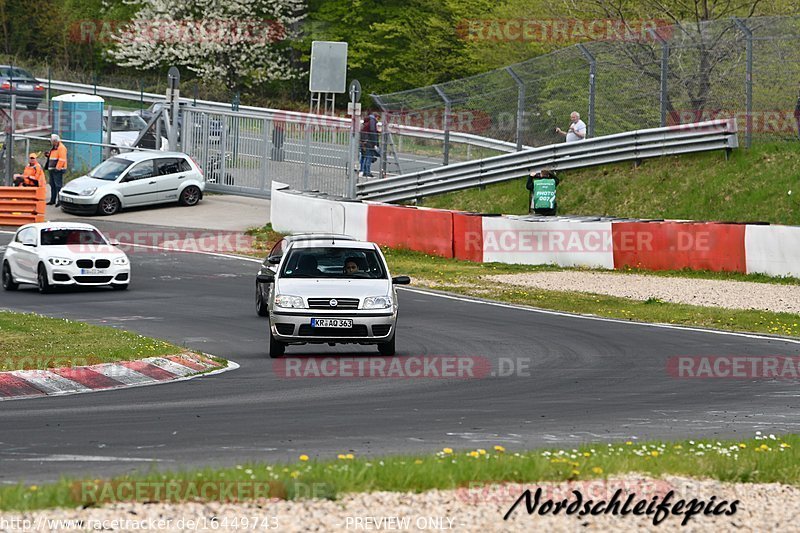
122, 374
87, 458
49, 382
603, 319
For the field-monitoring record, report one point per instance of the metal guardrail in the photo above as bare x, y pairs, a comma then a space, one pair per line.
292, 116
629, 146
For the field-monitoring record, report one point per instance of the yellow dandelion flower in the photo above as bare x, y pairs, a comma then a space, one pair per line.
447, 450
499, 448
654, 453
418, 462
303, 457
597, 470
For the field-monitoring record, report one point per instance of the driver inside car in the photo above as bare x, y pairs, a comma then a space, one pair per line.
351, 265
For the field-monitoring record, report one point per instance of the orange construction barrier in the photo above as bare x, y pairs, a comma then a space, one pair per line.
21, 205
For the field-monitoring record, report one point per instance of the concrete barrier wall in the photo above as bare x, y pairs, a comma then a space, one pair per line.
561, 242
773, 250
297, 213
667, 245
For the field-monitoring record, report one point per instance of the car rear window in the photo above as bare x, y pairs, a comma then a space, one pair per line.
7, 72
330, 262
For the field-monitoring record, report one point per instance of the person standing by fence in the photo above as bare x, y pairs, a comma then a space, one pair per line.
577, 128
369, 142
56, 166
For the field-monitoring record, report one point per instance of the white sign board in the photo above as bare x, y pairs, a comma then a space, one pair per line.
328, 67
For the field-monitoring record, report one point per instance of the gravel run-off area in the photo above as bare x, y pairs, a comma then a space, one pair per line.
705, 292
761, 507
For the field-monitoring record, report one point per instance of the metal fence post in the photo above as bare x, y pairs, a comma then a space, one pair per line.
520, 106
10, 141
663, 93
447, 110
49, 88
748, 131
592, 75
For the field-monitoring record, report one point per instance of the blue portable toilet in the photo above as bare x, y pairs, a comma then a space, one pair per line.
79, 117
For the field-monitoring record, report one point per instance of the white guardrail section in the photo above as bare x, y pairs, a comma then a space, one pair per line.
629, 146
294, 116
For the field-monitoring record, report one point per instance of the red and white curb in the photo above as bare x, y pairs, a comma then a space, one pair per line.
20, 384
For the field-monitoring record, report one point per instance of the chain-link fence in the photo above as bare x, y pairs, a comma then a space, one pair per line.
671, 75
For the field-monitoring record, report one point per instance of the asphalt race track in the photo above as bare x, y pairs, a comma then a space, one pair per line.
588, 379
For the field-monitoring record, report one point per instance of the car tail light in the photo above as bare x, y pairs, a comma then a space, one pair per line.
39, 88
197, 165
5, 85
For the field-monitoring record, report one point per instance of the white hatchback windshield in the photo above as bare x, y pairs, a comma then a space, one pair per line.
110, 169
330, 262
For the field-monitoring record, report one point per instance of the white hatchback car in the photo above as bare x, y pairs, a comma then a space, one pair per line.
51, 254
134, 179
324, 290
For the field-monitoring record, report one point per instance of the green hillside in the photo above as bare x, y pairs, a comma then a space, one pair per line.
758, 184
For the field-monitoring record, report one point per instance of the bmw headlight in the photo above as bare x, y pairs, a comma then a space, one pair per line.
121, 261
289, 302
377, 302
88, 191
59, 261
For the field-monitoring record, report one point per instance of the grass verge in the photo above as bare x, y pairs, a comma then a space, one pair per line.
469, 279
757, 184
29, 341
763, 459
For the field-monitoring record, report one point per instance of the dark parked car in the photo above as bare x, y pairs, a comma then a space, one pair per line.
19, 82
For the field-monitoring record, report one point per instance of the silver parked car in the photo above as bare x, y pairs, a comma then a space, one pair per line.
328, 289
134, 179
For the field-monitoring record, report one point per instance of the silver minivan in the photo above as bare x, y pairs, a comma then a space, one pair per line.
329, 290
134, 179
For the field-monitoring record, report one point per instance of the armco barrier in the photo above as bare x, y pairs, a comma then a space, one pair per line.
21, 205
679, 245
773, 250
422, 230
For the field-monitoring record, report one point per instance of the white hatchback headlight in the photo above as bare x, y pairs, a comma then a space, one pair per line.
289, 302
88, 191
59, 261
121, 261
377, 302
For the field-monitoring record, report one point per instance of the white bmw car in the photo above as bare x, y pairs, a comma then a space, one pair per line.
54, 254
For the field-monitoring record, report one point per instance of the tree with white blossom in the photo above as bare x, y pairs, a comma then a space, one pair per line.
237, 42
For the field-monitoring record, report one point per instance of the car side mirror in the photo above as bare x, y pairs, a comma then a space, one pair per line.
274, 259
29, 243
265, 278
113, 242
401, 280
